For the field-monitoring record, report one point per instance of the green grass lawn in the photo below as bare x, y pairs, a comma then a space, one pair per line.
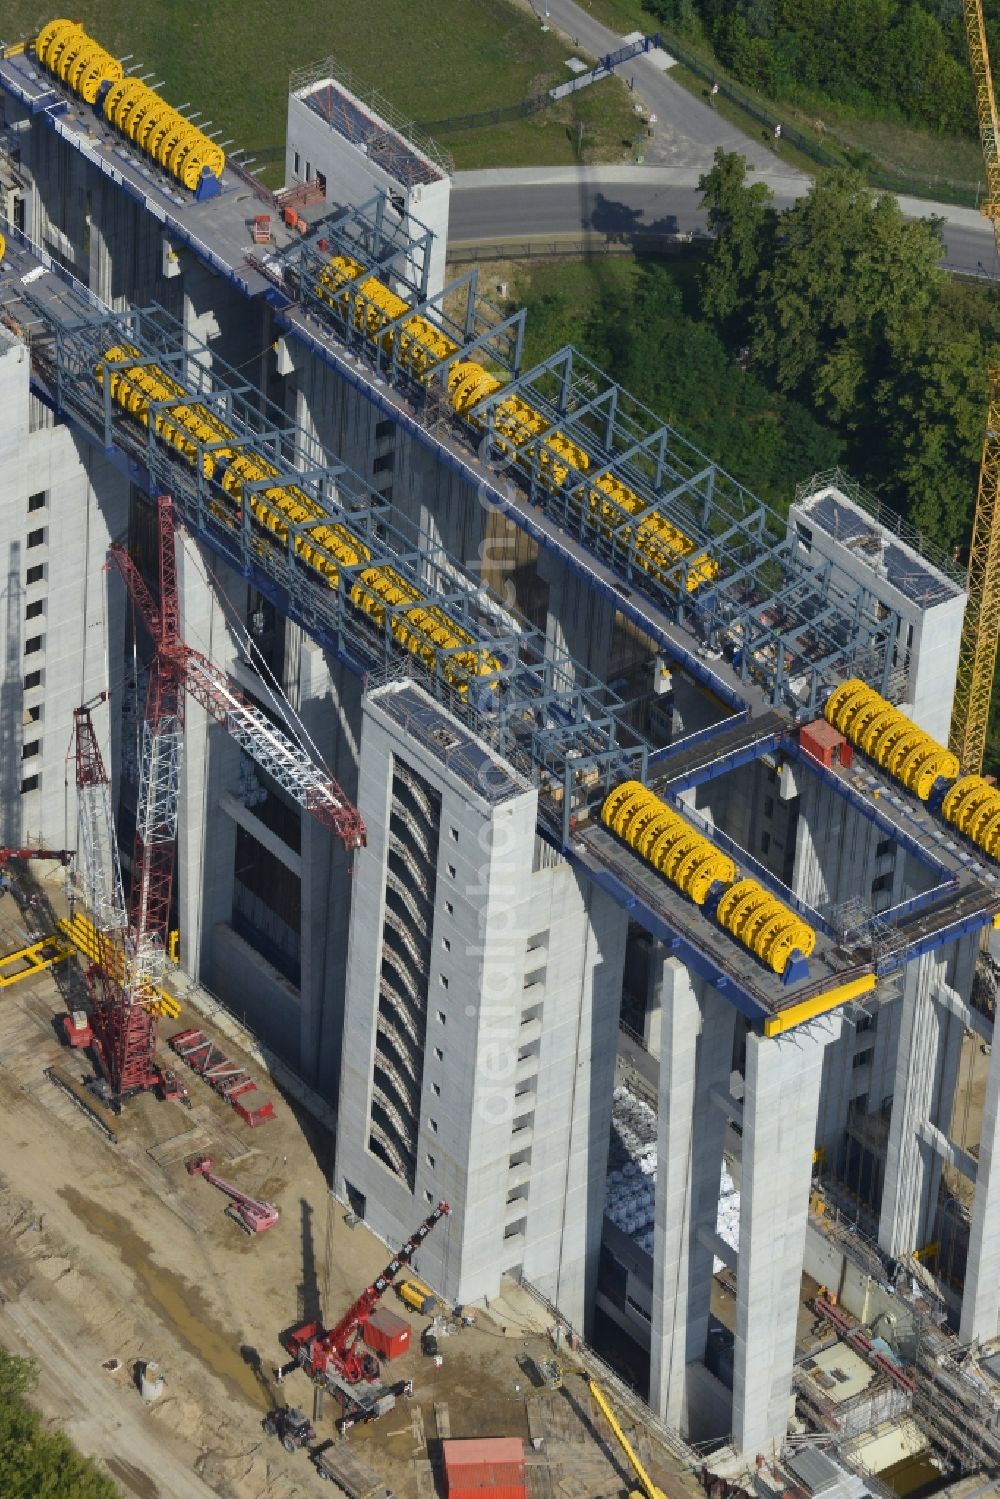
431, 60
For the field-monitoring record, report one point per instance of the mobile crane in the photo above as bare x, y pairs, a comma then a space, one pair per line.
330, 1356
647, 1488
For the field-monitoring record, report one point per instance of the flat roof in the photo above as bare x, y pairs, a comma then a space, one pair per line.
902, 566
491, 778
384, 146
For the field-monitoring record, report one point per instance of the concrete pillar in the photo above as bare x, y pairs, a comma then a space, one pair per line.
781, 1099
981, 1297
680, 1027
695, 1061
927, 1058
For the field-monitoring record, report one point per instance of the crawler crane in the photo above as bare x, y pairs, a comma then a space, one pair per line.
126, 1005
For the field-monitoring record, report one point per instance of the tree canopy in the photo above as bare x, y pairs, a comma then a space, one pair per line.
845, 308
902, 57
36, 1463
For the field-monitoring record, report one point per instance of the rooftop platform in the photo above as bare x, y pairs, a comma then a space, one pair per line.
364, 118
921, 579
448, 741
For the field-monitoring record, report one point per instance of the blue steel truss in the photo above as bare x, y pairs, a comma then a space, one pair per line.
562, 729
792, 625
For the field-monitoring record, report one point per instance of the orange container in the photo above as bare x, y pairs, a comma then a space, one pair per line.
486, 1468
388, 1334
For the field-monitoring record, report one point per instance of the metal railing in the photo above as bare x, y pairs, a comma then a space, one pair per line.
836, 478
302, 79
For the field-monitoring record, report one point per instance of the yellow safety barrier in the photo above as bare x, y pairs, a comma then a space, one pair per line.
894, 741
764, 924
28, 962
666, 841
3, 248
130, 105
820, 1004
323, 546
420, 346
109, 956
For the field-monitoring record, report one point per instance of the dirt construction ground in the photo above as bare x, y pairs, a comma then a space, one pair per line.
111, 1255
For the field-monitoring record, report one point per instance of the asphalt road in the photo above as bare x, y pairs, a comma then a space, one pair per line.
687, 131
487, 207
662, 196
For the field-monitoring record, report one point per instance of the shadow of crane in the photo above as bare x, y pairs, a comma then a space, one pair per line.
309, 1295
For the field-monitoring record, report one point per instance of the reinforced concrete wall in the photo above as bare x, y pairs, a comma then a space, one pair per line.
522, 977
59, 507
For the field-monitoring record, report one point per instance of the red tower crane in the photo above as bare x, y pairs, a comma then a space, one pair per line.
125, 1028
335, 1351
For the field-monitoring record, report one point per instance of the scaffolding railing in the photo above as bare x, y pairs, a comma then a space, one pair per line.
301, 80
883, 515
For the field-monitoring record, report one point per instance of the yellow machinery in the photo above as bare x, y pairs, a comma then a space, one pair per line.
978, 653
135, 109
108, 956
29, 961
323, 546
647, 1488
970, 803
871, 723
420, 346
747, 911
3, 248
415, 1295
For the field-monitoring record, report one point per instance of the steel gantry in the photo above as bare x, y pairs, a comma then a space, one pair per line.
559, 726
366, 585
597, 464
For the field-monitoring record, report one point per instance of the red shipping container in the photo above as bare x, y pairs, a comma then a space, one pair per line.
487, 1468
388, 1334
821, 740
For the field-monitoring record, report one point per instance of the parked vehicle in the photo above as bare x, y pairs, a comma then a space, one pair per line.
291, 1426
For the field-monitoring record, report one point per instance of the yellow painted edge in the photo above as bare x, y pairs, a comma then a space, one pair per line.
818, 1005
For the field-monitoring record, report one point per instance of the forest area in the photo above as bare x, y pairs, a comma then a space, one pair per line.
901, 58
819, 335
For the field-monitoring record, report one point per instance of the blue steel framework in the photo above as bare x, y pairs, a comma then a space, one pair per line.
562, 730
774, 613
792, 625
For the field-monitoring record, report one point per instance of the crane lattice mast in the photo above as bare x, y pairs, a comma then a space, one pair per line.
125, 1016
978, 651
